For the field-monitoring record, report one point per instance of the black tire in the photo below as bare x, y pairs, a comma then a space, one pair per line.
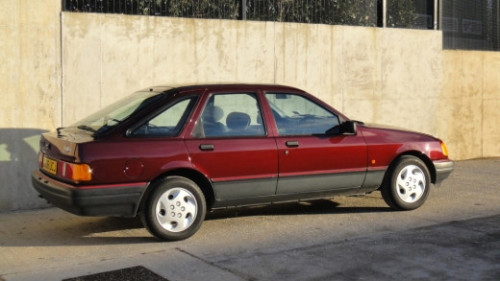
407, 184
175, 209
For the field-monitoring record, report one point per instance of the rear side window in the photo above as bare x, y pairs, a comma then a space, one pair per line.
168, 122
230, 115
298, 115
111, 116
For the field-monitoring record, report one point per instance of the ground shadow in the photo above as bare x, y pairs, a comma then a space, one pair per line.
315, 207
18, 158
54, 227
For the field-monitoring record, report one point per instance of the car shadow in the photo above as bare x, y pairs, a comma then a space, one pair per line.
316, 207
54, 227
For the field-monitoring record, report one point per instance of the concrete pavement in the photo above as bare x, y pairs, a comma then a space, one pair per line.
454, 236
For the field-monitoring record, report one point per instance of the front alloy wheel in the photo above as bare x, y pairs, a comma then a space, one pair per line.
175, 209
407, 184
410, 183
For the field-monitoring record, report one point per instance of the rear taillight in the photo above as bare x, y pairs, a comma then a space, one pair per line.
40, 160
72, 171
75, 172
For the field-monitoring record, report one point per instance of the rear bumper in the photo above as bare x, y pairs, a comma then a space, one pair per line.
116, 200
443, 170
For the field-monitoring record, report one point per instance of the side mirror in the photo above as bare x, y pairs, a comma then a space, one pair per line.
345, 128
348, 128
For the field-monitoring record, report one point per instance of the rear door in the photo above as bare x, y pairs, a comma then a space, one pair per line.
230, 144
309, 159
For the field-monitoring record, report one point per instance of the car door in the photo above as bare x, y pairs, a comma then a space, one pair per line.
309, 159
230, 144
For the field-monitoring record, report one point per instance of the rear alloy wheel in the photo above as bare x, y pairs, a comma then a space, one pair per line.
407, 184
175, 210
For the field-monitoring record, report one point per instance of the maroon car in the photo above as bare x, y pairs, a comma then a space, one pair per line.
170, 154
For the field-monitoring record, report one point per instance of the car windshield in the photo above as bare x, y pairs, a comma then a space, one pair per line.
112, 115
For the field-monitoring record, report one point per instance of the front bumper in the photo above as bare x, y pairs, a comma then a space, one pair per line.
443, 170
107, 200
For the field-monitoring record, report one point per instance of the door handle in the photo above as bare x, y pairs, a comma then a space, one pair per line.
207, 147
292, 143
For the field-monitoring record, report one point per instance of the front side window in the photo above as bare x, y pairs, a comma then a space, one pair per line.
168, 122
230, 115
297, 115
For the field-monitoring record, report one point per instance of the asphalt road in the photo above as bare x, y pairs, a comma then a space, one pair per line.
455, 235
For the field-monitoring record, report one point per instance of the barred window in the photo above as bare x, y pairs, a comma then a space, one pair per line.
466, 24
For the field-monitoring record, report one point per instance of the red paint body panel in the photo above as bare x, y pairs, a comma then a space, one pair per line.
321, 155
108, 159
235, 159
384, 145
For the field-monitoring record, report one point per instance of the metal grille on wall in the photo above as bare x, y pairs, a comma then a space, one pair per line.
466, 24
471, 24
417, 14
217, 9
351, 12
347, 12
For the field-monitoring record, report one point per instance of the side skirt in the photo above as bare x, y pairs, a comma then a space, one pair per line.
245, 193
291, 197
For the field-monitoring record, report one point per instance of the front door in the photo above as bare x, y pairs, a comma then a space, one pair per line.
309, 159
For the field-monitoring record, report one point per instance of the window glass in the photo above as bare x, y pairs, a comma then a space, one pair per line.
229, 115
169, 122
109, 117
297, 115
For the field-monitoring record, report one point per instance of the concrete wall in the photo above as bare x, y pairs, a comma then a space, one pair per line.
30, 79
470, 103
57, 68
358, 70
391, 76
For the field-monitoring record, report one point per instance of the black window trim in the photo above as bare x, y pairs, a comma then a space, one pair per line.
185, 117
255, 94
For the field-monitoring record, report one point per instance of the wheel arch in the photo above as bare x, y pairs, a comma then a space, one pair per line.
392, 194
427, 161
197, 177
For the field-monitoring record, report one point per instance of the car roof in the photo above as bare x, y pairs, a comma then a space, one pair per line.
222, 87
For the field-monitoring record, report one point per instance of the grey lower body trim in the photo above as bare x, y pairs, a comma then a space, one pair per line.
115, 201
374, 178
262, 191
319, 183
443, 170
244, 189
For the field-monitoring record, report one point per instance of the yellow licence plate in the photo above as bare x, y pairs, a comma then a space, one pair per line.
49, 165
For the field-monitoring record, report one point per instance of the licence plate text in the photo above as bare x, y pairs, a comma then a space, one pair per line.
49, 165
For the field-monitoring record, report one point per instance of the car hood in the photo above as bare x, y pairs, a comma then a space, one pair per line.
386, 129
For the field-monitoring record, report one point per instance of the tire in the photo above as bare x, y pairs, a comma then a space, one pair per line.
407, 184
175, 209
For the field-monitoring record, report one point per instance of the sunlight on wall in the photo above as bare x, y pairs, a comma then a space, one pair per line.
33, 142
4, 154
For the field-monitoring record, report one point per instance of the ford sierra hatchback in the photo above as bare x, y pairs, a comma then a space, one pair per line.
170, 154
